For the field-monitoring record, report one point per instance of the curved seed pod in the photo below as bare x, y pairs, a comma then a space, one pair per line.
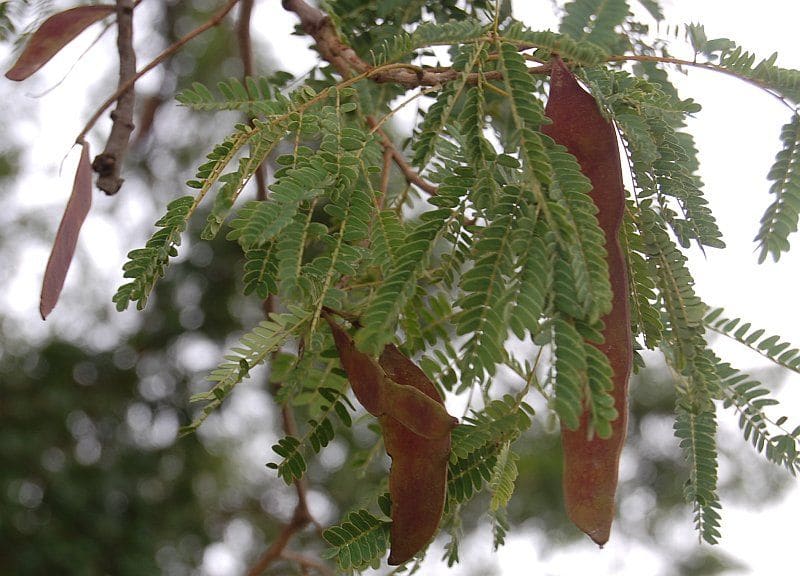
80, 201
364, 374
418, 478
408, 390
55, 33
591, 465
381, 394
416, 432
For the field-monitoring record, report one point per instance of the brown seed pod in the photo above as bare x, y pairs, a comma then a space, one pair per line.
416, 432
591, 465
418, 478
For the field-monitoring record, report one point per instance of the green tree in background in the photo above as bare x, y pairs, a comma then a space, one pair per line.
471, 240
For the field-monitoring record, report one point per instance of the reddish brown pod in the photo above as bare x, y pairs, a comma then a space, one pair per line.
591, 465
418, 478
416, 432
55, 33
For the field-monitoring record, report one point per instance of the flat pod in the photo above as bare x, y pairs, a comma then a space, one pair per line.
364, 374
80, 201
55, 33
411, 397
379, 393
416, 433
591, 465
418, 477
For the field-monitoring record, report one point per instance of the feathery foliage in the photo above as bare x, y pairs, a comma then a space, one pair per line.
695, 427
772, 347
146, 265
749, 398
319, 434
360, 539
780, 218
495, 235
256, 346
594, 20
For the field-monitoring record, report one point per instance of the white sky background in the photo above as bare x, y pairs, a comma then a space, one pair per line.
737, 134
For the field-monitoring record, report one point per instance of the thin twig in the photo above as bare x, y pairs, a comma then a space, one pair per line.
248, 70
108, 163
166, 53
307, 562
333, 50
411, 175
300, 518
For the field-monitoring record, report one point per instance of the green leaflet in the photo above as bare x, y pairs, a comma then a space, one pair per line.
399, 284
645, 313
259, 222
487, 288
387, 239
550, 42
318, 435
780, 218
696, 428
500, 421
733, 58
439, 114
770, 346
426, 34
255, 347
683, 309
595, 21
579, 236
478, 442
256, 97
571, 378
663, 159
358, 540
503, 477
749, 397
534, 282
527, 114
261, 271
146, 265
478, 151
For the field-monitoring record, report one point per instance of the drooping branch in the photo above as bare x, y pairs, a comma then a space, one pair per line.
108, 163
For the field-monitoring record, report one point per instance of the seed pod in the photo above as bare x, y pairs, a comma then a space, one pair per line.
364, 374
591, 465
416, 432
418, 478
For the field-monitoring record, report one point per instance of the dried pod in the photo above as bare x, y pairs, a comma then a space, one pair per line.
418, 478
364, 373
591, 465
416, 432
67, 236
55, 33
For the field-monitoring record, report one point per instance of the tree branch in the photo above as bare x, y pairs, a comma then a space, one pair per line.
307, 561
318, 25
108, 163
248, 69
166, 53
408, 171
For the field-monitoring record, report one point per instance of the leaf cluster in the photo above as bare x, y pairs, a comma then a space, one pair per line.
505, 243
